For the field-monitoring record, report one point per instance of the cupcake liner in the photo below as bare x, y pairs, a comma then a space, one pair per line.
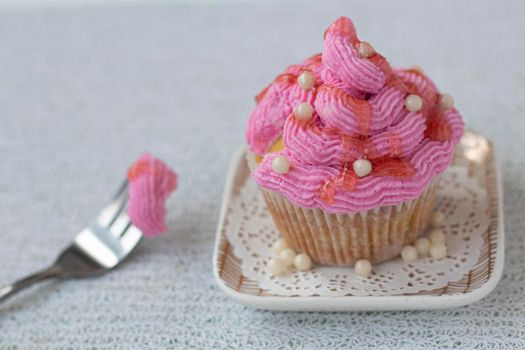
341, 239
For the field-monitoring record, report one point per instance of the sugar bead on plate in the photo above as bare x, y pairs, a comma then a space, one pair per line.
409, 253
303, 262
278, 246
438, 251
363, 268
437, 236
438, 218
287, 256
276, 266
423, 246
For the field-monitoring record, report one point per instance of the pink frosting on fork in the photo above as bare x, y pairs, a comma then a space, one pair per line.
359, 113
150, 183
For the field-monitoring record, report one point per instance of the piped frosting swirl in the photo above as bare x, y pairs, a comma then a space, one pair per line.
151, 181
360, 111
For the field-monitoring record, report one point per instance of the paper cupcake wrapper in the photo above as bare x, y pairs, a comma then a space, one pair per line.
341, 239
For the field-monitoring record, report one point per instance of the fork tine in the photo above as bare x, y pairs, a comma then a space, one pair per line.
111, 212
123, 188
108, 215
120, 224
113, 236
107, 246
130, 238
97, 248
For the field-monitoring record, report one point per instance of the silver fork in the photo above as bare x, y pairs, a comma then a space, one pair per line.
97, 248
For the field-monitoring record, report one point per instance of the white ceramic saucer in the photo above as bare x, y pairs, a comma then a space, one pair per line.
474, 152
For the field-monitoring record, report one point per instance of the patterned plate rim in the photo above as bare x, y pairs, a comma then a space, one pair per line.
471, 288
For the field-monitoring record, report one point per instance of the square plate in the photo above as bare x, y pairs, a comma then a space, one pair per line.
473, 152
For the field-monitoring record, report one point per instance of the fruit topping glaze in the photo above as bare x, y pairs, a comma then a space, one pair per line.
345, 132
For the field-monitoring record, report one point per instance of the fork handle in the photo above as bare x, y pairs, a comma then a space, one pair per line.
51, 272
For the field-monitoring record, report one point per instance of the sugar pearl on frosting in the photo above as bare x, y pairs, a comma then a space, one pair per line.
306, 80
363, 268
287, 256
437, 236
280, 165
413, 103
409, 253
304, 111
303, 262
446, 101
276, 266
423, 246
362, 167
418, 69
365, 49
438, 251
278, 246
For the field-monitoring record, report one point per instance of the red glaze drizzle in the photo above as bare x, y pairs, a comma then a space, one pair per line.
327, 191
261, 95
291, 78
438, 127
395, 167
345, 181
287, 78
395, 144
344, 28
138, 169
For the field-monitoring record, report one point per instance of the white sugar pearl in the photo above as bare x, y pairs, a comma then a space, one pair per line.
304, 111
413, 103
438, 218
437, 236
280, 165
302, 262
363, 268
306, 80
276, 266
362, 167
409, 253
446, 101
287, 256
423, 246
278, 246
438, 251
418, 69
365, 50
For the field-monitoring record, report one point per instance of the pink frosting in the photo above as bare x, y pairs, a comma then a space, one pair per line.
150, 183
359, 113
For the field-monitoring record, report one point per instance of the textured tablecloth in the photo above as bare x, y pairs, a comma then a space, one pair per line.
83, 91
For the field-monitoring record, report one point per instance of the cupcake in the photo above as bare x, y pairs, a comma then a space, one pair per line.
347, 151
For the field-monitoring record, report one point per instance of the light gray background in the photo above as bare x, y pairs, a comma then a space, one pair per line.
83, 91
